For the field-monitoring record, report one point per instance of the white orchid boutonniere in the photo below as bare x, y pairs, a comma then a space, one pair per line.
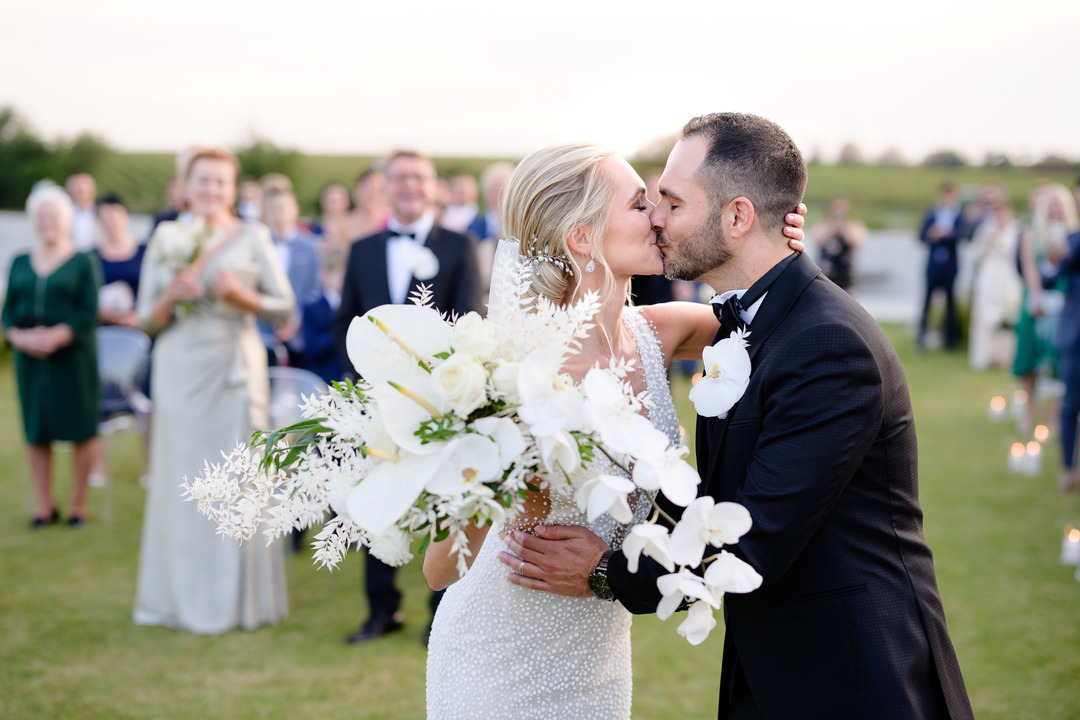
727, 373
423, 263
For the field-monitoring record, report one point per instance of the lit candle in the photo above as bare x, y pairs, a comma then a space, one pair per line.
997, 408
1042, 433
1017, 457
1020, 401
1033, 459
1070, 546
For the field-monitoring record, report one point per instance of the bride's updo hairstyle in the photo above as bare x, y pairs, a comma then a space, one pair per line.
553, 193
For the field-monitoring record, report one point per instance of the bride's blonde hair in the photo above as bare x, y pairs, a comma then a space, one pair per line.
553, 193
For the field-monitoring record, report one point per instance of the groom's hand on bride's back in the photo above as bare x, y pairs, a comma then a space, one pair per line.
557, 559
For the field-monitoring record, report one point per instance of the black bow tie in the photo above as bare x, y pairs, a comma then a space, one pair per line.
729, 312
411, 236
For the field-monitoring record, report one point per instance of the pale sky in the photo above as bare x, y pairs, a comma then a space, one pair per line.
504, 78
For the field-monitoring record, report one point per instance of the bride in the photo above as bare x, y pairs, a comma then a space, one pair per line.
498, 650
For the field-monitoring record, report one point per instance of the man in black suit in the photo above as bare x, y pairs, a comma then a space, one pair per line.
942, 230
820, 449
384, 268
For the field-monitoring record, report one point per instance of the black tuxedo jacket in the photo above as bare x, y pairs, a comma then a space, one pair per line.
821, 450
455, 288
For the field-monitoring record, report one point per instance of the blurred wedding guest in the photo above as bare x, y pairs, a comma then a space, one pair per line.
442, 198
210, 390
837, 238
1067, 338
49, 317
249, 202
333, 223
370, 210
462, 209
1053, 217
385, 268
941, 231
996, 290
485, 228
318, 319
82, 190
298, 253
174, 192
120, 256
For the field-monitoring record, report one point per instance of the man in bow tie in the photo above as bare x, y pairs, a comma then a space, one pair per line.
820, 449
385, 268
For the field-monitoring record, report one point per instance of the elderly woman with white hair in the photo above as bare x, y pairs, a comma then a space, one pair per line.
49, 317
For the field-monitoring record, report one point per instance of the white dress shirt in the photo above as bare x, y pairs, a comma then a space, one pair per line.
83, 225
400, 252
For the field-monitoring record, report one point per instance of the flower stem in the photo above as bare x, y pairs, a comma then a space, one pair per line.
658, 511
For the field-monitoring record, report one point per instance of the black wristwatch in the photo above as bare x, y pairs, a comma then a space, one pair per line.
598, 580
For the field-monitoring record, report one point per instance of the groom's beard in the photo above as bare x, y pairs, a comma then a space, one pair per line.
705, 249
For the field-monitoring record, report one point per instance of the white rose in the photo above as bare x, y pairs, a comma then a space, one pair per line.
462, 382
474, 337
392, 547
505, 380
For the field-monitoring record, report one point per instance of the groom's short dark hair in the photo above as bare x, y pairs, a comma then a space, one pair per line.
752, 157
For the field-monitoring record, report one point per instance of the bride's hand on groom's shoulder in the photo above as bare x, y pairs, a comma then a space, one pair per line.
557, 559
793, 230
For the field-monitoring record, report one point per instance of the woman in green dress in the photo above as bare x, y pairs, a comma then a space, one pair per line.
49, 318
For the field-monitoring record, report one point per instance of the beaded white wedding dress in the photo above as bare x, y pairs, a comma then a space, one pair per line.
501, 651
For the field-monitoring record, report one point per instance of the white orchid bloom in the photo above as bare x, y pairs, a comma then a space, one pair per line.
663, 468
507, 436
606, 494
677, 586
389, 490
729, 574
422, 261
698, 624
465, 462
705, 522
649, 540
559, 452
391, 352
614, 414
549, 400
727, 374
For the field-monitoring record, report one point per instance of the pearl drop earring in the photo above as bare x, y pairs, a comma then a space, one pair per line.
590, 267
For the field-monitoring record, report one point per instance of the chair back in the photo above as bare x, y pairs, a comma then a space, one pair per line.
123, 362
287, 385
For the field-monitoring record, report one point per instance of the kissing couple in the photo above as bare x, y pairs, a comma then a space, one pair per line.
820, 449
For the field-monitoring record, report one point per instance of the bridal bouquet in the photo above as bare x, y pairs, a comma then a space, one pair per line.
452, 424
177, 245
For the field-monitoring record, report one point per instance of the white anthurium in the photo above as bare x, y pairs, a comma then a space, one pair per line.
698, 624
402, 415
388, 350
729, 574
650, 540
677, 586
392, 546
727, 373
466, 461
422, 261
705, 522
606, 494
659, 467
462, 383
474, 337
507, 436
388, 491
549, 400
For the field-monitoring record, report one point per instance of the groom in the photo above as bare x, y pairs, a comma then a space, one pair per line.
821, 450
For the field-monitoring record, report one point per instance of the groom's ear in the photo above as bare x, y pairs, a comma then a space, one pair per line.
740, 219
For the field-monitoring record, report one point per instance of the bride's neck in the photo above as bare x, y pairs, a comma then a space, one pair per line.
605, 339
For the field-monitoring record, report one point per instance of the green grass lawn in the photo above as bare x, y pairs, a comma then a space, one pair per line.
68, 648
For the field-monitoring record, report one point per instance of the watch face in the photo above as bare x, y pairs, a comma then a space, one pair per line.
598, 583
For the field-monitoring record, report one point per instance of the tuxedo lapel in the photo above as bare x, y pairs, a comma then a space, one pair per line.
375, 269
778, 303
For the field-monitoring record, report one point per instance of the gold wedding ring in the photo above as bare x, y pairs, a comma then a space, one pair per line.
521, 568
